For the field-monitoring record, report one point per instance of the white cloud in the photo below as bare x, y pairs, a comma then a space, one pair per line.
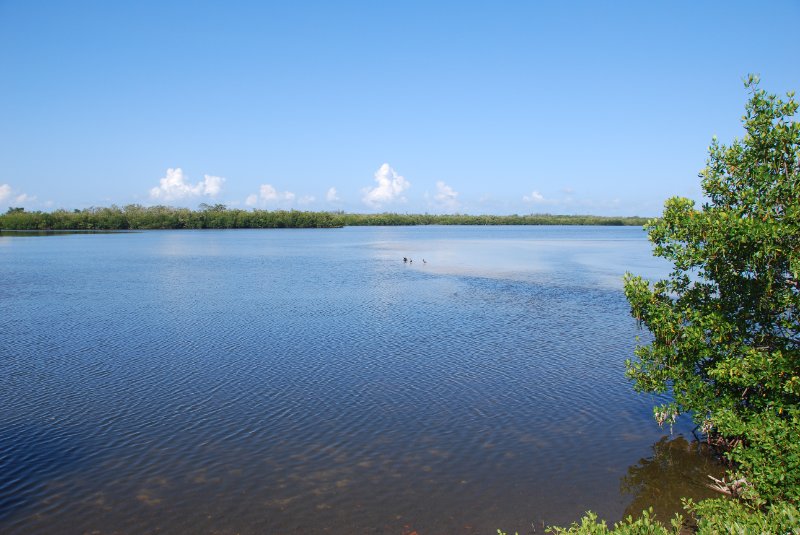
268, 193
175, 186
389, 189
332, 195
212, 184
446, 197
6, 193
306, 199
535, 197
567, 202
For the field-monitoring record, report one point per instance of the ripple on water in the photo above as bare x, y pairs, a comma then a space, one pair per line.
214, 382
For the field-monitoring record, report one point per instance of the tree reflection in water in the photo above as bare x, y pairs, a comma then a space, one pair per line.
677, 469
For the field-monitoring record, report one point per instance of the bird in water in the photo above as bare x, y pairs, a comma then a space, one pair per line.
405, 259
423, 261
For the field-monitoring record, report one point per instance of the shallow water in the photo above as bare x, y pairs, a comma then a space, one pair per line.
310, 381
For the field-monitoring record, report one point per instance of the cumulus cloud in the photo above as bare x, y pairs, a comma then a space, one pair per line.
332, 195
565, 201
7, 193
267, 194
306, 199
446, 197
212, 184
390, 188
535, 197
175, 186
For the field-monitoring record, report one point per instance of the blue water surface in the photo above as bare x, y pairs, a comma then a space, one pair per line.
310, 381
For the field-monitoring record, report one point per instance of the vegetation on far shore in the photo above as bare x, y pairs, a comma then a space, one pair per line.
136, 217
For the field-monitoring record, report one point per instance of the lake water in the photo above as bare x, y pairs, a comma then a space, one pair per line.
310, 381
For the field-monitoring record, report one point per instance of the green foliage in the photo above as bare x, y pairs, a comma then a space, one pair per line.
645, 524
768, 456
732, 516
463, 219
135, 217
711, 517
725, 325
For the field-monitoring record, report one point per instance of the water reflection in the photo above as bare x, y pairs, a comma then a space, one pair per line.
677, 468
309, 381
33, 233
600, 255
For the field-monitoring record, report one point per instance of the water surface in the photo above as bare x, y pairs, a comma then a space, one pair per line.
310, 381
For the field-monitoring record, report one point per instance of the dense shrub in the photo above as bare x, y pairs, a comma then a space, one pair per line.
136, 217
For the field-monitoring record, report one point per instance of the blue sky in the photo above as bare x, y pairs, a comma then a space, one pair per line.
473, 107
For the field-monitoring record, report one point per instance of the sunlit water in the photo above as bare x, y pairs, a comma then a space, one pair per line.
310, 381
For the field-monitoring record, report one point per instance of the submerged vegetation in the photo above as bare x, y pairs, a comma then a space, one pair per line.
725, 325
136, 217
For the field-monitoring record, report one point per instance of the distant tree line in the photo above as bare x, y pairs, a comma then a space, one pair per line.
136, 217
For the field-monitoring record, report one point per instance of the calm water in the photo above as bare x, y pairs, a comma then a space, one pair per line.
308, 381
